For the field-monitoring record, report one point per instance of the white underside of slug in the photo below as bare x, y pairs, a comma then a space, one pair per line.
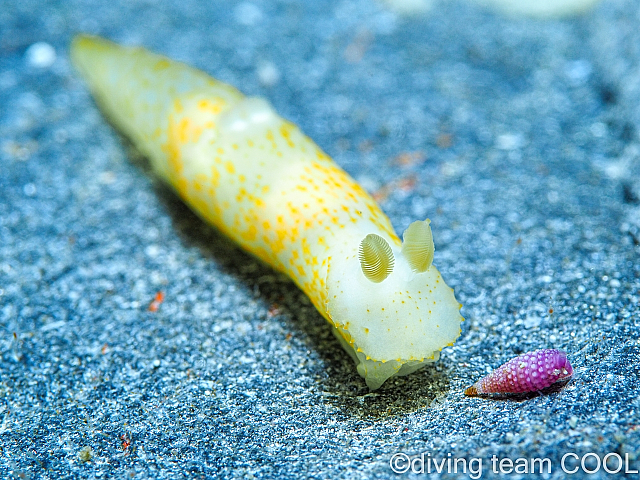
263, 183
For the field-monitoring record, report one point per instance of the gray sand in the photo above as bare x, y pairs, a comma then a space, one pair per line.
523, 149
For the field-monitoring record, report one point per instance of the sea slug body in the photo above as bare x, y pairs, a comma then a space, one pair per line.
263, 183
528, 372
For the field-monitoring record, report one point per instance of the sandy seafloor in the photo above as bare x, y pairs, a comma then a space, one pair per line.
518, 138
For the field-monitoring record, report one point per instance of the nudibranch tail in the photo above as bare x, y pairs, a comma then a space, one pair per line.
417, 245
528, 372
262, 182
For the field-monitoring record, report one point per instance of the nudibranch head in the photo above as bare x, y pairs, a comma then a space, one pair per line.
389, 304
528, 372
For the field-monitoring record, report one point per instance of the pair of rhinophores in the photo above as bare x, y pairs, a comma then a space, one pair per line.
262, 182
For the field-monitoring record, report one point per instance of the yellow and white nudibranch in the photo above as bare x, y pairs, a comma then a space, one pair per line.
266, 185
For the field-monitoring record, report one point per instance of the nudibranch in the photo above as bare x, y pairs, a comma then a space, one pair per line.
262, 182
528, 372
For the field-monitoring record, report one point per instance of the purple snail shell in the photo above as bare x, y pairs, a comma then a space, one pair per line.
529, 372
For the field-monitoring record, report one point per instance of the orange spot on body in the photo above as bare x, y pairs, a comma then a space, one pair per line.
251, 233
215, 176
162, 65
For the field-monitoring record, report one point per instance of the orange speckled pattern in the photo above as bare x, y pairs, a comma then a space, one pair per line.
287, 208
262, 182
